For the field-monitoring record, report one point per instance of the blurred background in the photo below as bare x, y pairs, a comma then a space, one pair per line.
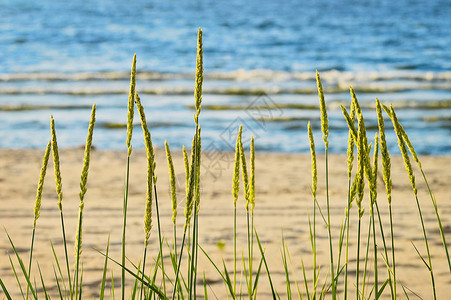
60, 57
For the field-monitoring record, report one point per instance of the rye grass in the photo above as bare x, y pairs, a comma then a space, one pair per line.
176, 284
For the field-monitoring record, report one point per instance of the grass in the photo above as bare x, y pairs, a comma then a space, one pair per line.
167, 279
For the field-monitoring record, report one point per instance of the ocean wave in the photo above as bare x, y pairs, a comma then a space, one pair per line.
236, 75
226, 90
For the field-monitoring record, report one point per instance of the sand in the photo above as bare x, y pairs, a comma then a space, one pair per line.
283, 202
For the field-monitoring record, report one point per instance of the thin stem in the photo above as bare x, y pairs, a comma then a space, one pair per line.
376, 289
175, 239
434, 203
31, 256
144, 266
347, 240
427, 248
385, 249
159, 235
249, 284
195, 253
65, 252
357, 296
234, 250
314, 250
252, 246
334, 291
77, 260
393, 252
193, 250
178, 265
366, 258
124, 211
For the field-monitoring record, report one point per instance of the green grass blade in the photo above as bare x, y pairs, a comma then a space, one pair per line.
16, 276
424, 261
305, 281
81, 283
59, 268
66, 256
135, 285
57, 283
257, 276
5, 290
228, 281
112, 285
285, 266
214, 265
442, 234
381, 290
205, 287
294, 275
262, 252
153, 287
102, 289
22, 266
42, 282
124, 225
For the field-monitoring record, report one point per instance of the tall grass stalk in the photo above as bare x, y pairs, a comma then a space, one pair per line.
235, 192
196, 216
373, 193
249, 216
151, 180
173, 193
197, 152
386, 166
130, 114
59, 187
361, 152
252, 204
37, 204
350, 161
409, 170
83, 189
314, 189
325, 130
431, 195
194, 174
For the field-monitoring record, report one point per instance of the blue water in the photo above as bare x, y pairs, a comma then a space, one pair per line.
59, 57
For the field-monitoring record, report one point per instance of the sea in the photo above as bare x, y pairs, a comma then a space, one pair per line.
260, 57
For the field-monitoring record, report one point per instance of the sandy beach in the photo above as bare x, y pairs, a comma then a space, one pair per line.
283, 203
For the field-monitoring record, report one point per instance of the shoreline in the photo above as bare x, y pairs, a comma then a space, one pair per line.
283, 202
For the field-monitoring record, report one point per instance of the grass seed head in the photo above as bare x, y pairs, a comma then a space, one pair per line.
386, 164
351, 136
402, 147
151, 177
172, 182
198, 164
131, 106
186, 163
199, 76
313, 154
37, 204
322, 103
252, 176
244, 169
87, 156
362, 155
189, 203
56, 164
373, 184
236, 172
